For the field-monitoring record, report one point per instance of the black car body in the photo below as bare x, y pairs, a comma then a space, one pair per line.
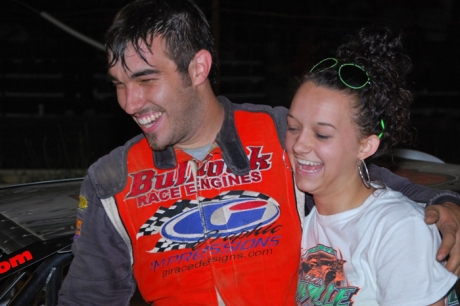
37, 224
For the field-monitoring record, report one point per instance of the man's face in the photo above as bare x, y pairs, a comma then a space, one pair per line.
165, 107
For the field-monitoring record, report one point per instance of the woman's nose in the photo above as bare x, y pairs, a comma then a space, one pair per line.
303, 144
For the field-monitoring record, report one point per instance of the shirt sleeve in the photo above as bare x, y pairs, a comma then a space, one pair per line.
407, 272
415, 192
100, 272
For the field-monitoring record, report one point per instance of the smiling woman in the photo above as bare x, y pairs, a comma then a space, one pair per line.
354, 239
323, 157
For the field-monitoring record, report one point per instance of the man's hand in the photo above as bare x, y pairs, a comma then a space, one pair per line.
447, 219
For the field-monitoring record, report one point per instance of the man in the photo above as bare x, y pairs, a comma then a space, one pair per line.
200, 209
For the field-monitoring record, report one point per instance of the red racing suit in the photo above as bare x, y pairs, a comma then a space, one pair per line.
222, 231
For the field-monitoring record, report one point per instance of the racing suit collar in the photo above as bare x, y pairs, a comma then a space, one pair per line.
227, 139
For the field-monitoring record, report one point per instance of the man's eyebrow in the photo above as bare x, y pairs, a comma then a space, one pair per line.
111, 77
144, 73
135, 75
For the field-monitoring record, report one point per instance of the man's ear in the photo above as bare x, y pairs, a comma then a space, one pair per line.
200, 67
369, 146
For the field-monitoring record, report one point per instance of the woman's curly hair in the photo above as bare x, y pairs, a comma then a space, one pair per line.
379, 51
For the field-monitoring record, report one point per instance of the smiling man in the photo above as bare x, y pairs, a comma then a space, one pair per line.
200, 208
162, 101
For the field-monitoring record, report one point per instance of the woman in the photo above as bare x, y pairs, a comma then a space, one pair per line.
360, 245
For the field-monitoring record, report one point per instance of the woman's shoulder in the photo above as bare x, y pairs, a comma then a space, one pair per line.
393, 204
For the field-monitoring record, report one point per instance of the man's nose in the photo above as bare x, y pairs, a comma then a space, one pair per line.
131, 100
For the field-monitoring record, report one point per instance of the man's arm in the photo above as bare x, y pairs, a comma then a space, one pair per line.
415, 192
100, 272
447, 219
446, 215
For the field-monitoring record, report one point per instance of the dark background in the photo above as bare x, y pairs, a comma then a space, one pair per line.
57, 109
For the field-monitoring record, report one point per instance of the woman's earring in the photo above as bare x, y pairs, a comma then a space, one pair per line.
364, 174
287, 164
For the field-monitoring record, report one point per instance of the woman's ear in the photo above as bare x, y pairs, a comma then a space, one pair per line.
200, 67
369, 146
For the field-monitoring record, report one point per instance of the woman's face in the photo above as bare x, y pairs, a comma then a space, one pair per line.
322, 141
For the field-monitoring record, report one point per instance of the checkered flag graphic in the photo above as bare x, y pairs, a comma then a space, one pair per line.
164, 245
235, 194
162, 215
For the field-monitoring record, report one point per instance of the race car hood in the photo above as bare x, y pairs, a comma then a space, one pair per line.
38, 212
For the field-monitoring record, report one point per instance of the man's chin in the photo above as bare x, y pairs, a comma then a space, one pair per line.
154, 144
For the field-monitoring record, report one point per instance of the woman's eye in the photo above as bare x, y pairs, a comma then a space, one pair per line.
322, 136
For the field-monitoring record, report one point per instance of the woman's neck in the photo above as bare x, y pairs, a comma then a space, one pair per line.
345, 198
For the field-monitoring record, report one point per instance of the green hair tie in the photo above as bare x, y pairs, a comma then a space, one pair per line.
383, 128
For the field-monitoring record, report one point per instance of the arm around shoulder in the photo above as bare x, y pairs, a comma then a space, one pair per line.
446, 216
415, 192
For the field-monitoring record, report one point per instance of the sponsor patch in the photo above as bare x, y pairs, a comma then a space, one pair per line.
228, 214
83, 204
78, 228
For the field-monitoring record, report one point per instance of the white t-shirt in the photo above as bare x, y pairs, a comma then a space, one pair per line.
381, 253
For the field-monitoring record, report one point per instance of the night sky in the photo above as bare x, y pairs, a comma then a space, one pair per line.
59, 83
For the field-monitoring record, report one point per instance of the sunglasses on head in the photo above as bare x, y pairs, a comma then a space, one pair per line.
352, 75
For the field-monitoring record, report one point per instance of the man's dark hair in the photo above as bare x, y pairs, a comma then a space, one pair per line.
180, 23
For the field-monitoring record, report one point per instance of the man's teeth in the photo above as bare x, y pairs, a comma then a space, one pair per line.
308, 163
149, 119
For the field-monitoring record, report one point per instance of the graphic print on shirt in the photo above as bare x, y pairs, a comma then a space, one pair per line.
322, 280
231, 216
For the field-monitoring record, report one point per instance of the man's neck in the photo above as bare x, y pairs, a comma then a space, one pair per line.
211, 125
199, 153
